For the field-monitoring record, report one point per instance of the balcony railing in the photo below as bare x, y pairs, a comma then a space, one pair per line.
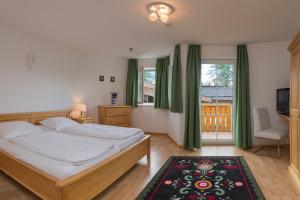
216, 117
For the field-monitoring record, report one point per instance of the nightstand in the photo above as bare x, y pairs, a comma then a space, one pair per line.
83, 120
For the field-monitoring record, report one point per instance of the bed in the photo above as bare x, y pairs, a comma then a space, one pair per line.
83, 185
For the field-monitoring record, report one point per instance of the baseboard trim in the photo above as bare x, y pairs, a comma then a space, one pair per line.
215, 144
165, 134
270, 145
179, 145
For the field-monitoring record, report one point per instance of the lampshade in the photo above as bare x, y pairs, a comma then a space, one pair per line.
80, 107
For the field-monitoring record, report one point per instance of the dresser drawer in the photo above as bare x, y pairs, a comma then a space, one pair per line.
117, 111
118, 120
115, 115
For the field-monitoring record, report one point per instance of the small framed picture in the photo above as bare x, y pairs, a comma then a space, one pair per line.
112, 79
101, 78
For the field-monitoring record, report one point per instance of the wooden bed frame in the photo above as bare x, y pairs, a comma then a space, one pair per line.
84, 185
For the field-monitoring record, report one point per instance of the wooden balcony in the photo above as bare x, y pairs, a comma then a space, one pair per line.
216, 117
216, 135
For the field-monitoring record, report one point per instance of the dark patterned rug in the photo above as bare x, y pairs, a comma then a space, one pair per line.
203, 178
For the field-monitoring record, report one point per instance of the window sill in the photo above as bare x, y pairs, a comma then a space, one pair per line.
146, 104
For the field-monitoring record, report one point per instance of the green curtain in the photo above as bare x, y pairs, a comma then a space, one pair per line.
132, 83
192, 137
242, 126
161, 99
176, 90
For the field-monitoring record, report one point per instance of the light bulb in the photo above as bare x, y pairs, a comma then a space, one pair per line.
153, 17
164, 18
153, 8
163, 10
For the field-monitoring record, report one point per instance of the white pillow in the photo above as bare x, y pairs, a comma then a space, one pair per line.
9, 130
58, 122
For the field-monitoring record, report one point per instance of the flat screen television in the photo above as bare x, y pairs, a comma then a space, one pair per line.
283, 101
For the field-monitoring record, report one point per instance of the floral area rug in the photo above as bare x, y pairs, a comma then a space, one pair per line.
203, 178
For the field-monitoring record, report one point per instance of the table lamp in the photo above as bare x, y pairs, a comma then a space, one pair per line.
81, 108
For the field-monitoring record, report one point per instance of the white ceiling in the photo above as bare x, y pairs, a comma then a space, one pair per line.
112, 26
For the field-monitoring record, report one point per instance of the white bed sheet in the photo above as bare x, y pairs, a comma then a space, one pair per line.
63, 147
122, 144
101, 131
58, 169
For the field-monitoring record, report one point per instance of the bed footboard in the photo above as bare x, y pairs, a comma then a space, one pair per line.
32, 178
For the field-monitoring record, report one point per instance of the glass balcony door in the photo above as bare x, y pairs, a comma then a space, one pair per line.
217, 86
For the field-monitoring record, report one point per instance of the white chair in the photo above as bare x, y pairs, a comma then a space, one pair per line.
263, 129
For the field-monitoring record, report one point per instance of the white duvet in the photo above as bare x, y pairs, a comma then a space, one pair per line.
101, 131
62, 147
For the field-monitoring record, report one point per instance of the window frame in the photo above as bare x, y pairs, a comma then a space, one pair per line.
141, 73
223, 61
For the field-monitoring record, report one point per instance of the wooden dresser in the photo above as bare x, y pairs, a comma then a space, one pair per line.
294, 48
115, 115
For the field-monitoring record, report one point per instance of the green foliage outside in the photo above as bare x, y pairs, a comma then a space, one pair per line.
149, 76
221, 75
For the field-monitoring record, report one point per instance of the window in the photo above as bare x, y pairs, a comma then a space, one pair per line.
146, 85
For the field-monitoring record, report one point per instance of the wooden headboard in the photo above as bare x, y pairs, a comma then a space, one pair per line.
33, 117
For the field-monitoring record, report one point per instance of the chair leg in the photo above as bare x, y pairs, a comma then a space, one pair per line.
278, 150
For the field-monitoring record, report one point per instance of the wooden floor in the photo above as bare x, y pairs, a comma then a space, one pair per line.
271, 173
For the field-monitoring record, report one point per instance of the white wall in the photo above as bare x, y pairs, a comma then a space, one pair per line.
149, 119
61, 76
218, 52
95, 93
269, 70
51, 83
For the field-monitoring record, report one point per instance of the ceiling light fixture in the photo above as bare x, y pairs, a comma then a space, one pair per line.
159, 11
